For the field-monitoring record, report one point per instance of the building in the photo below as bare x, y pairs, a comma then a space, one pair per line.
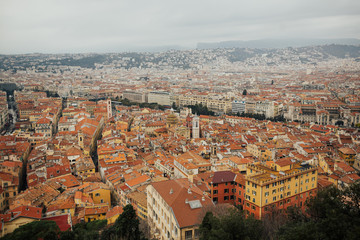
238, 106
285, 183
174, 207
195, 127
133, 96
227, 187
161, 98
347, 154
18, 217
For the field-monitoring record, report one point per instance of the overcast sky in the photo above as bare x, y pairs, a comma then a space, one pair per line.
59, 26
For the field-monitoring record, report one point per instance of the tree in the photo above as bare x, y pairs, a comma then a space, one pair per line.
232, 225
67, 235
244, 92
208, 224
34, 231
332, 214
126, 226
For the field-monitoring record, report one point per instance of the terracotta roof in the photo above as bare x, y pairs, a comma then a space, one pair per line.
347, 150
283, 162
223, 176
185, 199
117, 210
63, 221
27, 211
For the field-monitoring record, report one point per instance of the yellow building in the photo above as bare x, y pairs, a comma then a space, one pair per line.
139, 202
98, 191
97, 212
18, 217
113, 214
347, 154
285, 183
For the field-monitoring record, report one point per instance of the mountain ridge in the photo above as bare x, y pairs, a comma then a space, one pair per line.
277, 43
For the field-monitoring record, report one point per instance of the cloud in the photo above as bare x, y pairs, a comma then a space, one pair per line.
117, 25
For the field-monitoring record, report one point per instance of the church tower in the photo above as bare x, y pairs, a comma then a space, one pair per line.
109, 109
196, 127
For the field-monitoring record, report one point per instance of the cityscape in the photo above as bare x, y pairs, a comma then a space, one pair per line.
255, 139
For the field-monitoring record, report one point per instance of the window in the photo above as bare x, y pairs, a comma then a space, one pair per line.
215, 184
97, 194
226, 198
239, 200
266, 194
215, 192
253, 207
215, 199
274, 198
267, 186
232, 197
239, 193
274, 191
197, 233
233, 190
226, 190
188, 234
253, 199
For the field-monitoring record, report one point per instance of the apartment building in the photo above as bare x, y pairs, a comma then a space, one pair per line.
283, 184
134, 96
162, 98
174, 207
214, 104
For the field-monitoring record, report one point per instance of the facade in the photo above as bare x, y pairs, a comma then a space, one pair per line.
161, 98
238, 106
227, 187
174, 207
133, 96
284, 184
196, 127
18, 217
348, 155
222, 105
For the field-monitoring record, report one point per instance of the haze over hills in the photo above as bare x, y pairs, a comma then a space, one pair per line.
278, 43
184, 59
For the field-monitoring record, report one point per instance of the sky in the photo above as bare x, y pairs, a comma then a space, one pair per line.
73, 26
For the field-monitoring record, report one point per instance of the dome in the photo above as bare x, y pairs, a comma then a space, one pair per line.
171, 119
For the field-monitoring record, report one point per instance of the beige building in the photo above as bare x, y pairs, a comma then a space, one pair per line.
212, 103
174, 208
161, 98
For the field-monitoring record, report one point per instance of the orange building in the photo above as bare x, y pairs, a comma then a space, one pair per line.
228, 187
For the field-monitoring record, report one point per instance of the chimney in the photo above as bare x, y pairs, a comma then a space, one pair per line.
171, 191
189, 190
203, 199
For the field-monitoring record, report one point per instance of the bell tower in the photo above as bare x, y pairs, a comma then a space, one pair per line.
196, 127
